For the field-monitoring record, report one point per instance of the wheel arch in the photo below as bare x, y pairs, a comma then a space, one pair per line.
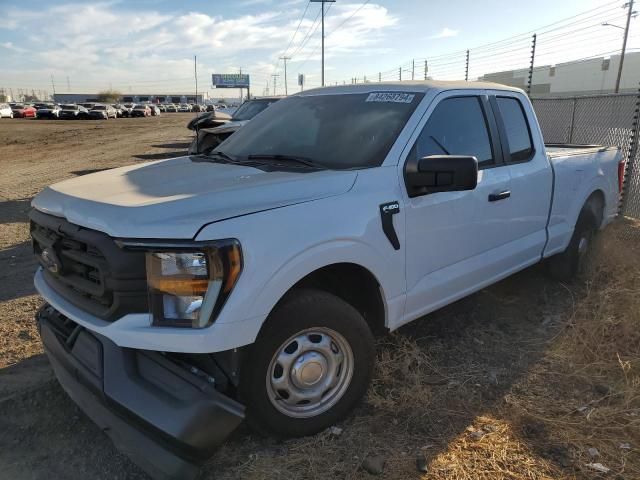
351, 282
596, 202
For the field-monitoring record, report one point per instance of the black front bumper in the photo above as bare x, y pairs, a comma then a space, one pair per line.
165, 418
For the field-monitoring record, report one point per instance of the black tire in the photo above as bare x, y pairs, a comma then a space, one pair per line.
566, 265
304, 309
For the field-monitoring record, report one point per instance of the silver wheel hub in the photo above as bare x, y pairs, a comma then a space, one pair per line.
310, 372
308, 369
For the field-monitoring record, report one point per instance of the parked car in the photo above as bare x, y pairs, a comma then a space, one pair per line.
49, 111
184, 107
88, 105
162, 107
248, 283
127, 108
23, 111
210, 135
141, 111
102, 112
72, 111
210, 108
119, 110
5, 111
171, 108
155, 110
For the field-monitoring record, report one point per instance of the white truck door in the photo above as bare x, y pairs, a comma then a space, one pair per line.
531, 174
454, 239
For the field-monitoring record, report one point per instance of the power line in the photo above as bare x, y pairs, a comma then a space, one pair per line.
309, 33
297, 28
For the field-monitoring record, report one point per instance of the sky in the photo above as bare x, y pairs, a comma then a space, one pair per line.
148, 46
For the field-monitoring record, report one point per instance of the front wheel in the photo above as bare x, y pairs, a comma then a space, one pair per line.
310, 366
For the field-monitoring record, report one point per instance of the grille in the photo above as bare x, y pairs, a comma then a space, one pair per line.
77, 265
88, 268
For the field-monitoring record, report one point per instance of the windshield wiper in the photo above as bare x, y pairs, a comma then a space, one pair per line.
286, 158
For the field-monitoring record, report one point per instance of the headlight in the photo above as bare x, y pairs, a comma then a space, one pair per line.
188, 288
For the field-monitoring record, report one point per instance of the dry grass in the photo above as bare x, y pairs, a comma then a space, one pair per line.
518, 382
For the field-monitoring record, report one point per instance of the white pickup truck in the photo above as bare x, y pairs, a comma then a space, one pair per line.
186, 295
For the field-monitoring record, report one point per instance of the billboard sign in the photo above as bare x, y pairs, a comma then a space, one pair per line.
230, 80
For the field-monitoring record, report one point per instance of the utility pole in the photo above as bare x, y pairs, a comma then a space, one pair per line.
426, 69
195, 75
413, 69
629, 6
54, 86
286, 92
400, 73
275, 79
322, 6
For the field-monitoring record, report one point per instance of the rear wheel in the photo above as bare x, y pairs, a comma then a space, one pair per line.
573, 260
309, 367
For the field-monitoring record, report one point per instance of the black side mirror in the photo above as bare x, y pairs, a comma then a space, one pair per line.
441, 173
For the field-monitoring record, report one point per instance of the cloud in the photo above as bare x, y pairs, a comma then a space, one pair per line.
100, 43
11, 46
446, 32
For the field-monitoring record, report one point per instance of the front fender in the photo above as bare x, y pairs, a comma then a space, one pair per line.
322, 255
282, 246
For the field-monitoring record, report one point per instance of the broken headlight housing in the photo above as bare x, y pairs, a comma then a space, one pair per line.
188, 285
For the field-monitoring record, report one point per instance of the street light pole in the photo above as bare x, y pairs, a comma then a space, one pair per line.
322, 2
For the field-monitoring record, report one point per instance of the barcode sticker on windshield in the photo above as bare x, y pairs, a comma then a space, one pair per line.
392, 97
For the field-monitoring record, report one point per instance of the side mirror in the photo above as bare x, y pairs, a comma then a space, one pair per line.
441, 173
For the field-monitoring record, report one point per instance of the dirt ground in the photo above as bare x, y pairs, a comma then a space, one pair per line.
522, 380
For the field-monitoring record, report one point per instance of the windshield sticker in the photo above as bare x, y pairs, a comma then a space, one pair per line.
391, 97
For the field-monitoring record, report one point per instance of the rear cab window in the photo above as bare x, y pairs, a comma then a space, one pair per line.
516, 129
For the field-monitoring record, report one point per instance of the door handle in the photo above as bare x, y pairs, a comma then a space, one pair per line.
494, 197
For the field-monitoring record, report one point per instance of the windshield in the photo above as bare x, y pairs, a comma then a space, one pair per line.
332, 131
99, 107
248, 110
70, 107
140, 107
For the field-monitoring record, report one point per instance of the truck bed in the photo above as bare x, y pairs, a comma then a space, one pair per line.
555, 150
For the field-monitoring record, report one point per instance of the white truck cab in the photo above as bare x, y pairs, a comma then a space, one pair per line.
195, 292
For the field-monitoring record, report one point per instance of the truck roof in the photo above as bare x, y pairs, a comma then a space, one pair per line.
409, 86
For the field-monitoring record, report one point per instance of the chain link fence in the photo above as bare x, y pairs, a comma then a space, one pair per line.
602, 119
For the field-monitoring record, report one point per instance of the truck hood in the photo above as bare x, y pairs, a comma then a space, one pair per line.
175, 198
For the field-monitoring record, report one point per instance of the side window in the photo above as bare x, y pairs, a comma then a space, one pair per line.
457, 126
516, 127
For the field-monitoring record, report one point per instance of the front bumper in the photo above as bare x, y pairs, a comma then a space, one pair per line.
167, 419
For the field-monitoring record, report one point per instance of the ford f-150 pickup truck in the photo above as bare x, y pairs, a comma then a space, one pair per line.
185, 295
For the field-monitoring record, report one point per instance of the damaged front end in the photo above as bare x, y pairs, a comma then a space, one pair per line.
166, 416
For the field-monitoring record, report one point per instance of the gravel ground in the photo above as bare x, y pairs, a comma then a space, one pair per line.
435, 379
